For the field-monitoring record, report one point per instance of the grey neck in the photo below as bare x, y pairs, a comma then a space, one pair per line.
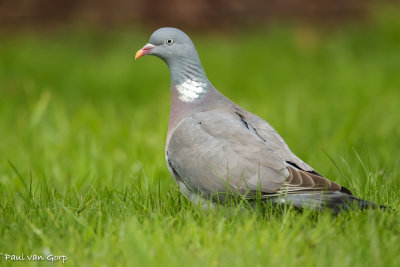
189, 79
186, 69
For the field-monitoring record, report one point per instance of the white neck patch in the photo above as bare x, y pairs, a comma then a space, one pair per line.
190, 90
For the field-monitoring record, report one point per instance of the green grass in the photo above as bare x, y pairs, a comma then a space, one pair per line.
83, 127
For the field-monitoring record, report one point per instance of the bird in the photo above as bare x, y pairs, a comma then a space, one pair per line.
216, 150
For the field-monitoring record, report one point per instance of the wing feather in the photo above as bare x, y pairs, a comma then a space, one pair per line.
212, 151
220, 151
302, 176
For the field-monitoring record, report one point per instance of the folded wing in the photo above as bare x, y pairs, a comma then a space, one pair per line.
213, 152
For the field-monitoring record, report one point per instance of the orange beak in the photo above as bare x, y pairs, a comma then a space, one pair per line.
144, 51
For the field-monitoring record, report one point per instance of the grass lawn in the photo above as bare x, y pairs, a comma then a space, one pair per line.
83, 128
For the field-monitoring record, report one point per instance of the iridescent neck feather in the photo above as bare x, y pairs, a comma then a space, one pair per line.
189, 79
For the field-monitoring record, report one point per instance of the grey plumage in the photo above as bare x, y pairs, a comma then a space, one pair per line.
214, 147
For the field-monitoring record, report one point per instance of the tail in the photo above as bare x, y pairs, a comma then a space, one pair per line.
335, 201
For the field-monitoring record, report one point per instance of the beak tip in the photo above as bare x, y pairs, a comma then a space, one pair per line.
138, 54
144, 51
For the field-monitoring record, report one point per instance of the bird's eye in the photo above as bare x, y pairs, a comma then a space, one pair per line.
169, 41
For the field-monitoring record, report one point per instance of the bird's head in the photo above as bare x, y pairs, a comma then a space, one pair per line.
177, 50
169, 44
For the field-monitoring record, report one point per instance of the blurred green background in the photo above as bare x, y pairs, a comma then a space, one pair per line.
83, 128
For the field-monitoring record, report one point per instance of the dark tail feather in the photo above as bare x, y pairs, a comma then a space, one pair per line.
335, 201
